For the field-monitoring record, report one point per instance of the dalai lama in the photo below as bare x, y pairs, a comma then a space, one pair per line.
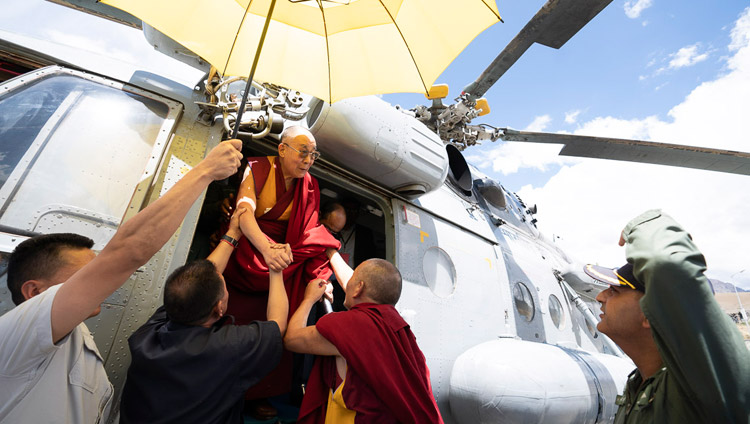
282, 234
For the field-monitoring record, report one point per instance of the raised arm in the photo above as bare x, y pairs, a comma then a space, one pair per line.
278, 302
276, 258
342, 269
699, 344
303, 339
137, 241
223, 251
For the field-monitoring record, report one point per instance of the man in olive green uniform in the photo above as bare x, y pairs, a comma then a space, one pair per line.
692, 364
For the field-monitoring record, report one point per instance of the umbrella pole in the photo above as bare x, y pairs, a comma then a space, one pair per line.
252, 71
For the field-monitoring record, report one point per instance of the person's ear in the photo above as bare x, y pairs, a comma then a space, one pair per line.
359, 289
645, 323
218, 310
32, 288
282, 150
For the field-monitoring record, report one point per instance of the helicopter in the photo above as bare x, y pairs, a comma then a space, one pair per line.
485, 292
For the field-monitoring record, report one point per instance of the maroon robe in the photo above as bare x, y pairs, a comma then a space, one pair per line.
387, 380
247, 275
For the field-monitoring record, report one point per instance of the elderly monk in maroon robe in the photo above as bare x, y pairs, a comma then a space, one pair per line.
283, 234
372, 370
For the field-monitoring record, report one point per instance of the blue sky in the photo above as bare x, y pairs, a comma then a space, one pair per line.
663, 70
616, 64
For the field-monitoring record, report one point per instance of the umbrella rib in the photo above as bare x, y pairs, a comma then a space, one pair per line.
407, 46
492, 10
328, 51
236, 35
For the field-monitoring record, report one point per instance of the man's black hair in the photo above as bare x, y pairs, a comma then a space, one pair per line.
39, 258
192, 291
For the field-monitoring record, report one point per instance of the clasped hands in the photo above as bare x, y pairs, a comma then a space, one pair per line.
278, 256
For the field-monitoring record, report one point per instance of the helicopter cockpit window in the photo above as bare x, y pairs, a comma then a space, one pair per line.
492, 193
523, 301
71, 146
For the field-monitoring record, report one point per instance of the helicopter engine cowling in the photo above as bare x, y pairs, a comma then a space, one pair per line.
515, 381
386, 145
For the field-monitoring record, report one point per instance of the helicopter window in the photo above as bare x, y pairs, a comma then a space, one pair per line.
439, 271
523, 301
492, 192
556, 311
71, 146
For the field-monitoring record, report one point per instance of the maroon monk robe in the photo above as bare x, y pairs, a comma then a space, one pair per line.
247, 275
387, 379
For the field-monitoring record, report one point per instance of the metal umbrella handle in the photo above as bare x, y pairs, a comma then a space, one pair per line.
252, 69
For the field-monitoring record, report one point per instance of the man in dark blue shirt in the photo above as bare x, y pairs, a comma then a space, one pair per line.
190, 365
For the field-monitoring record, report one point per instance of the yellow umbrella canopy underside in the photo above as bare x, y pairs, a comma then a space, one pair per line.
330, 50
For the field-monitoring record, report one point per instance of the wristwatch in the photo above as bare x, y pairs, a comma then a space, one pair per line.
229, 240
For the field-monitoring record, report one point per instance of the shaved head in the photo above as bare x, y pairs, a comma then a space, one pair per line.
382, 281
290, 133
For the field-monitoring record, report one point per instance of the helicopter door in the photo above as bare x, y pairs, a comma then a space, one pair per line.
76, 153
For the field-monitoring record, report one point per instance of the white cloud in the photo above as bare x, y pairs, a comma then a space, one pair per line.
587, 203
633, 9
572, 116
508, 158
684, 57
539, 123
687, 56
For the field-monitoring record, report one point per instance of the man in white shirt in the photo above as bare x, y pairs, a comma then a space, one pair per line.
50, 369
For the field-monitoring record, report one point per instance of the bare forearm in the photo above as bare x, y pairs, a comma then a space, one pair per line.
137, 240
144, 234
278, 302
220, 256
252, 231
294, 340
342, 269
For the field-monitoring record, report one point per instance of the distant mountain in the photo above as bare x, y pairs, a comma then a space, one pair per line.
723, 287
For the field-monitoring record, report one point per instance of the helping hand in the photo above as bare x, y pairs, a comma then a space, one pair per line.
316, 289
278, 257
234, 230
223, 160
329, 293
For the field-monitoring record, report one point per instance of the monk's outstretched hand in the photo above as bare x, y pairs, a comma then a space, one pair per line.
278, 257
316, 289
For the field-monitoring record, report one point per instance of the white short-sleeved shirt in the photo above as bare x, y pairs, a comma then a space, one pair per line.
45, 382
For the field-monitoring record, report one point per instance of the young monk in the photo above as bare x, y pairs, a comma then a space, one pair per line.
371, 369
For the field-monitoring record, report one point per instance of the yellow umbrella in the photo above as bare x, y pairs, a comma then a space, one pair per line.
332, 50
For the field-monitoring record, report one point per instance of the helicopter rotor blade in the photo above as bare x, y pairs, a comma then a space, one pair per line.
553, 25
728, 161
